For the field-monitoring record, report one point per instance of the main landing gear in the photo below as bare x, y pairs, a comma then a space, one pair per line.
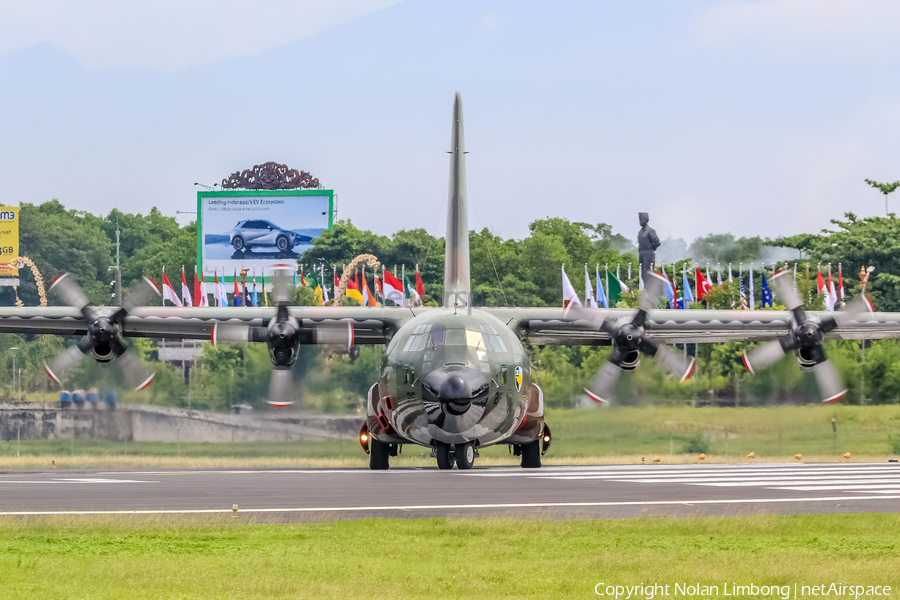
463, 455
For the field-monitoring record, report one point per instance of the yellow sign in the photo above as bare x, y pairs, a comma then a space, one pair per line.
9, 240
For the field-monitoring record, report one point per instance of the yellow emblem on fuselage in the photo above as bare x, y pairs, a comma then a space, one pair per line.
518, 379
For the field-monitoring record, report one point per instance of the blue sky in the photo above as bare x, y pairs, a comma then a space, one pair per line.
758, 118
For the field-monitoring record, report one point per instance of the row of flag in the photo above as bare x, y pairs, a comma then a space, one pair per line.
391, 290
680, 297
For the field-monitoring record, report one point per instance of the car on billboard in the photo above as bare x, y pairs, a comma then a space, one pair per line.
256, 232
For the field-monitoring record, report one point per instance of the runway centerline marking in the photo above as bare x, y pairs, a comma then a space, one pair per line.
453, 506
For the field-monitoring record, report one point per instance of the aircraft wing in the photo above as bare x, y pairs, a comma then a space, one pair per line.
370, 325
548, 326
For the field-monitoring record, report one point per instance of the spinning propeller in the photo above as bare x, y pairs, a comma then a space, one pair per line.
283, 336
104, 332
629, 344
805, 338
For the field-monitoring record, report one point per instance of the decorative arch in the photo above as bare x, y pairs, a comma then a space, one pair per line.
24, 261
341, 292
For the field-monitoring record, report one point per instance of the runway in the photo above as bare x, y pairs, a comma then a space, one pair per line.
550, 492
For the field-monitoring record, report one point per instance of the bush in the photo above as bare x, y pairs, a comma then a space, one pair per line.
696, 445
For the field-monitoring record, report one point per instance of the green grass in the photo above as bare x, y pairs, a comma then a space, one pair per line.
872, 431
98, 558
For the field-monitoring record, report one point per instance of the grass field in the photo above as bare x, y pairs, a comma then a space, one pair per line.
99, 558
579, 436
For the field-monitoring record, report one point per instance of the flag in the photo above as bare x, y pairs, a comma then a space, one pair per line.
198, 300
601, 294
295, 277
766, 299
325, 298
265, 296
752, 295
840, 284
248, 297
237, 292
670, 291
420, 287
220, 293
254, 297
820, 283
337, 281
743, 295
185, 290
379, 292
169, 292
831, 297
570, 297
413, 294
353, 290
614, 290
589, 301
368, 298
393, 289
203, 292
686, 287
729, 281
302, 278
719, 275
703, 285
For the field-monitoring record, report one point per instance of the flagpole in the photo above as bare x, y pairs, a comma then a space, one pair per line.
606, 268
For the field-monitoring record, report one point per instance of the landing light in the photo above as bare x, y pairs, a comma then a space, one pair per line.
546, 438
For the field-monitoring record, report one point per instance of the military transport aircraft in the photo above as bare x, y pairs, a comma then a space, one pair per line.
456, 378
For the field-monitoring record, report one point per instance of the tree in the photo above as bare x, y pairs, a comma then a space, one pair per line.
884, 188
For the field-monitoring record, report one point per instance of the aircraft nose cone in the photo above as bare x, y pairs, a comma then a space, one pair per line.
455, 388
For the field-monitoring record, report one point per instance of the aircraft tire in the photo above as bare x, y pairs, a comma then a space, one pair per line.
379, 456
531, 455
465, 456
444, 456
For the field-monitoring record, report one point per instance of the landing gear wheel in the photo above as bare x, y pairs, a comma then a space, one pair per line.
444, 455
379, 456
465, 455
531, 455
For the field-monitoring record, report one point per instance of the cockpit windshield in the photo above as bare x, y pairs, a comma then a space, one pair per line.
428, 336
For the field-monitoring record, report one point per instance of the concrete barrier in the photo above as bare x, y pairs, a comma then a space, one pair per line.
141, 423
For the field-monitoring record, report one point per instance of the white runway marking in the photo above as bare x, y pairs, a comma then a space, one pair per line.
70, 481
450, 506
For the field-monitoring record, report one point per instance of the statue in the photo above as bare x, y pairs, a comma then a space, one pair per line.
648, 242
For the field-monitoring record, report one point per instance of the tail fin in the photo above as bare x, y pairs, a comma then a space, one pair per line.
456, 257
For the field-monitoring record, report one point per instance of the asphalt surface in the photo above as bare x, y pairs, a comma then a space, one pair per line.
550, 492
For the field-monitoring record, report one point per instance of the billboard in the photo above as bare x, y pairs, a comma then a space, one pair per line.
9, 240
258, 228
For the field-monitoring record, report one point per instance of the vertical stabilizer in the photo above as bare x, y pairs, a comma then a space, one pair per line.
456, 258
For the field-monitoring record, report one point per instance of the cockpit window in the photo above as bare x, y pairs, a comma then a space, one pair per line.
492, 339
417, 339
455, 337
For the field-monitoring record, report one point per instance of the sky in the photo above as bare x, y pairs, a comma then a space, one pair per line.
749, 117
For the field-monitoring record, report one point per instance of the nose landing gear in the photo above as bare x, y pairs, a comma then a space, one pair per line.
463, 455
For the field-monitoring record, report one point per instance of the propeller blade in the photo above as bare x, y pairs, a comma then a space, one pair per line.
69, 358
763, 357
858, 310
281, 387
831, 385
601, 387
784, 283
281, 291
136, 374
145, 291
674, 363
654, 288
334, 333
69, 292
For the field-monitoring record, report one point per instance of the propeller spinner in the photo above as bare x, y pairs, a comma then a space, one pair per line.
629, 344
104, 332
805, 338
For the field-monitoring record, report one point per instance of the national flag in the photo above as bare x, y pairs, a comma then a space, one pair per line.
412, 294
198, 300
265, 295
237, 291
703, 284
185, 290
615, 289
379, 292
368, 298
670, 291
831, 297
729, 281
820, 282
220, 293
337, 281
303, 278
248, 297
295, 277
353, 290
420, 287
743, 295
601, 294
589, 301
840, 284
719, 275
686, 287
254, 296
393, 289
169, 292
752, 294
325, 298
766, 299
570, 296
